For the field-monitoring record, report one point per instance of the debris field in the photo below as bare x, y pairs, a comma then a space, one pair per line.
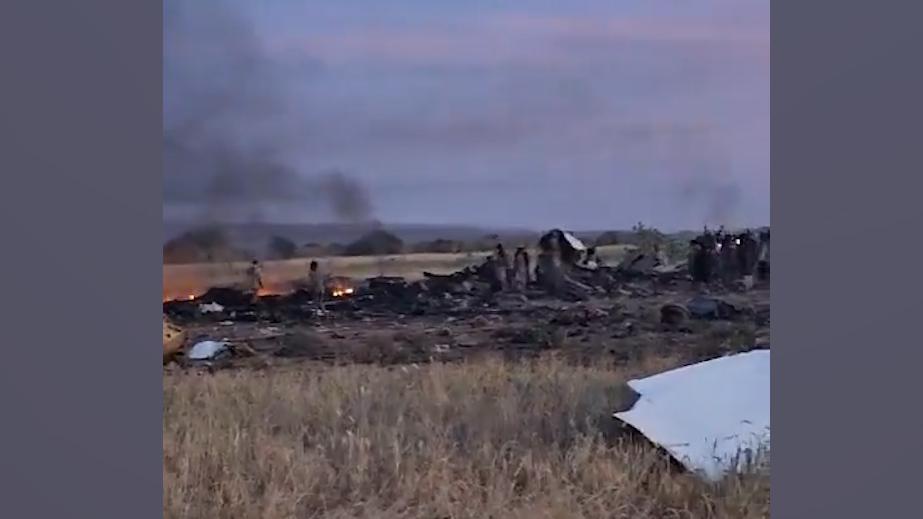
586, 314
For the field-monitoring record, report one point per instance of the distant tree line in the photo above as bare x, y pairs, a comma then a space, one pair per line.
207, 245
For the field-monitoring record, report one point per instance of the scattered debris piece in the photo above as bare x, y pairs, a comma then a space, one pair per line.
579, 315
712, 417
207, 308
465, 341
673, 314
226, 297
565, 244
573, 241
639, 264
704, 307
207, 350
680, 268
745, 283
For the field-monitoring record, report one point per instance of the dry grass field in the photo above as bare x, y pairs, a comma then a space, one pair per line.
180, 281
483, 439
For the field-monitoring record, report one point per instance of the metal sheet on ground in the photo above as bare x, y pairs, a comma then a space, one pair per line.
706, 414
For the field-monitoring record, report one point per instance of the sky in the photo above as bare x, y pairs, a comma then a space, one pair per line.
580, 114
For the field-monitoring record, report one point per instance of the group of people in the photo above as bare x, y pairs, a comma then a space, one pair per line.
713, 256
316, 283
510, 273
729, 257
516, 273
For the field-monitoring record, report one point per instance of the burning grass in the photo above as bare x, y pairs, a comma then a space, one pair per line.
484, 439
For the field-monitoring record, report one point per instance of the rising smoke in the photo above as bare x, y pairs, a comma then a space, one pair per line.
708, 189
230, 128
718, 200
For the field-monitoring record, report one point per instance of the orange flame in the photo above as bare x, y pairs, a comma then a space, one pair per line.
340, 292
340, 287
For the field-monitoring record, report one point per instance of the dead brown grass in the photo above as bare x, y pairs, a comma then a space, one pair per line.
489, 439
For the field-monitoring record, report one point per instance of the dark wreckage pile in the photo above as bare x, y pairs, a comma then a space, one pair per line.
514, 301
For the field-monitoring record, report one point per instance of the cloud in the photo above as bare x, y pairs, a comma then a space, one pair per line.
521, 39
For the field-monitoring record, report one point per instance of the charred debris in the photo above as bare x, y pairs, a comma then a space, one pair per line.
563, 268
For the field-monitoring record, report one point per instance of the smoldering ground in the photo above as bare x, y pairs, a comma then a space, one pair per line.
231, 130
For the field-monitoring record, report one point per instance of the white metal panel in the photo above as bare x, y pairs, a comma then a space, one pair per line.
707, 413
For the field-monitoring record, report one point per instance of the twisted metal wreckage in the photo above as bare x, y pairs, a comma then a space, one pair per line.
565, 269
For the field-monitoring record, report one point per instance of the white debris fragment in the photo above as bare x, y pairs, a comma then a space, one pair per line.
706, 415
573, 241
207, 350
210, 307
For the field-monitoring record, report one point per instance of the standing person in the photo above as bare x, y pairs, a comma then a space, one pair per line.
520, 269
254, 280
527, 260
747, 255
501, 266
709, 242
690, 256
511, 269
763, 263
316, 285
728, 259
701, 263
548, 269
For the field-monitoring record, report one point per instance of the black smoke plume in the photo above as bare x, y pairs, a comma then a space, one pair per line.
231, 130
